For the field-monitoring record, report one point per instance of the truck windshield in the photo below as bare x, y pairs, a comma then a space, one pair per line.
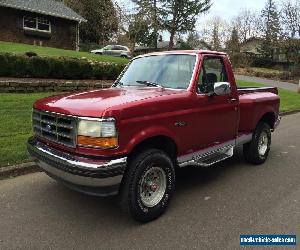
168, 71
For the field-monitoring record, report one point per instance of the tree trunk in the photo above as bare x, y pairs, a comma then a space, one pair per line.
171, 43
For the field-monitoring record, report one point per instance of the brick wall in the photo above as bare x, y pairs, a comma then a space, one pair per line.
45, 85
63, 32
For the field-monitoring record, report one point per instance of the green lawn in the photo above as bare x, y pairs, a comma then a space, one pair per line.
19, 48
15, 125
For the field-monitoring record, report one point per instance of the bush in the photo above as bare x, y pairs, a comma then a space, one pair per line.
4, 65
262, 62
56, 66
31, 54
19, 66
38, 67
59, 68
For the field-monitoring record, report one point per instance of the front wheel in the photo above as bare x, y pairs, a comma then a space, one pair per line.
257, 150
148, 185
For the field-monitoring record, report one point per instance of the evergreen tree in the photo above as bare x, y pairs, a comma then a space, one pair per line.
101, 16
216, 43
233, 46
271, 28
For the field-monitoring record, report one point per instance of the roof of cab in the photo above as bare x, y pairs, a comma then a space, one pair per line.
180, 52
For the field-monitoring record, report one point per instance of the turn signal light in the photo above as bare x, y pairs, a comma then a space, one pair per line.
96, 142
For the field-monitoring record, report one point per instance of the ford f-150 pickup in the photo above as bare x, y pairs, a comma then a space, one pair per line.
165, 111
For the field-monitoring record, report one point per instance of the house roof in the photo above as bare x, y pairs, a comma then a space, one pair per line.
46, 7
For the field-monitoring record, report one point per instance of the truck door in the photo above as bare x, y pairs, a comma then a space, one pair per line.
217, 116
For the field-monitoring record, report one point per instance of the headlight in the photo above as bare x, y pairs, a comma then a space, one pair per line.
97, 133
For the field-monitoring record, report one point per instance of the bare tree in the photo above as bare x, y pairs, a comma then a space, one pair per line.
247, 23
291, 17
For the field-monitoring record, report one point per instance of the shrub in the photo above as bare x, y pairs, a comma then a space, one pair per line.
31, 54
4, 65
56, 66
72, 69
38, 67
19, 66
59, 68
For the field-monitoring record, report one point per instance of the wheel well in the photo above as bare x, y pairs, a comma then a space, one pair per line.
163, 143
268, 118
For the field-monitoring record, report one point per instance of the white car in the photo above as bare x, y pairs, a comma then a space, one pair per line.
114, 50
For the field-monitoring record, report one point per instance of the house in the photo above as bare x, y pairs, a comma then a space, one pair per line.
39, 22
252, 47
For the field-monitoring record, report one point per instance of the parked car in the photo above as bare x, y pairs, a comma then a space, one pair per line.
165, 111
114, 50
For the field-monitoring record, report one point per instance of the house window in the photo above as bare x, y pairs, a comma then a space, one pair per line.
36, 23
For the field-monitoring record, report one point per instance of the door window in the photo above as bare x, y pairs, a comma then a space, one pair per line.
212, 71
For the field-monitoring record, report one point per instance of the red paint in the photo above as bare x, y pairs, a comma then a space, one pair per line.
145, 112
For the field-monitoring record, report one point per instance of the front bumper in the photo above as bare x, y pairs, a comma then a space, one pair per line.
87, 175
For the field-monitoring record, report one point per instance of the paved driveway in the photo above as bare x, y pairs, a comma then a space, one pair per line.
210, 209
269, 82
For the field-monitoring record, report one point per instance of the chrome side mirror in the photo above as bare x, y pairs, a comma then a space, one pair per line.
222, 88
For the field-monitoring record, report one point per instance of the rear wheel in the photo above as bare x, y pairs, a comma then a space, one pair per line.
257, 150
148, 185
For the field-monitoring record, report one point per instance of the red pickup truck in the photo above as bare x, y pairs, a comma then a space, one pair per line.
165, 111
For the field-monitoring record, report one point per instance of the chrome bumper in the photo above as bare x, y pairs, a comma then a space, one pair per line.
87, 175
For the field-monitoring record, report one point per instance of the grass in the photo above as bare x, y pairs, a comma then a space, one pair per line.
19, 48
15, 126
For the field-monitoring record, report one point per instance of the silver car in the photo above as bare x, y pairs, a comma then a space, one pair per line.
114, 50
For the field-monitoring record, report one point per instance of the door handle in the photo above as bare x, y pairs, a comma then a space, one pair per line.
232, 100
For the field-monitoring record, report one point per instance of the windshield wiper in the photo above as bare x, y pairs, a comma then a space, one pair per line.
148, 83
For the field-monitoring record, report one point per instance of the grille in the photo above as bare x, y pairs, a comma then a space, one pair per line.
55, 127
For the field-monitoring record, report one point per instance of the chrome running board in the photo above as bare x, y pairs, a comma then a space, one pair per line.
212, 155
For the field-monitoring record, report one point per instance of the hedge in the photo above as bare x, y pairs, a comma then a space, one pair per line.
58, 68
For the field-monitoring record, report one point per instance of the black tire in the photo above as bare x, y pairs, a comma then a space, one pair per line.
99, 53
251, 150
130, 195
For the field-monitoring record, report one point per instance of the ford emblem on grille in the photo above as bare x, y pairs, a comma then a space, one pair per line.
48, 127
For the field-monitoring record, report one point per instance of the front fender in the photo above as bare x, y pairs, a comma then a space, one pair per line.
150, 132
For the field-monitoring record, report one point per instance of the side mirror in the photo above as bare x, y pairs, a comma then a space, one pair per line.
222, 88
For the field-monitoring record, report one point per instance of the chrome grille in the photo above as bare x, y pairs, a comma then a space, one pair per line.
55, 127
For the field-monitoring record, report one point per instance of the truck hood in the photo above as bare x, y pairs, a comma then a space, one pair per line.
95, 103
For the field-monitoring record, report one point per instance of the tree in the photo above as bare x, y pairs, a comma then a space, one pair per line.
247, 24
233, 46
216, 43
149, 9
291, 17
102, 21
139, 32
180, 16
271, 28
193, 40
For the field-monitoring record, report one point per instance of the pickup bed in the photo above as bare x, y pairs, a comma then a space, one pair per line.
165, 111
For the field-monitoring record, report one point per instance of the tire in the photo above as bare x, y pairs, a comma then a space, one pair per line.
99, 53
257, 151
135, 188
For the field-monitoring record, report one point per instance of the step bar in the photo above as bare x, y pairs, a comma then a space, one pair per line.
210, 156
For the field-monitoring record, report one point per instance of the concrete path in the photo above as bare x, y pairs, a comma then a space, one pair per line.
269, 82
211, 207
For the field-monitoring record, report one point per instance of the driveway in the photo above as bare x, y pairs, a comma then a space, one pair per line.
269, 82
210, 209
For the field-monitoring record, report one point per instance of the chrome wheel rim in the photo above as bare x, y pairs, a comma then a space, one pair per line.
153, 186
263, 143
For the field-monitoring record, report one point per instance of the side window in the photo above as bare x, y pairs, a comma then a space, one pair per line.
212, 71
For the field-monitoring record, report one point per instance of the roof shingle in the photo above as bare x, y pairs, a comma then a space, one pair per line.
46, 7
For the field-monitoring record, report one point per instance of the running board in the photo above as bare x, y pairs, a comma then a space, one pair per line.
210, 158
